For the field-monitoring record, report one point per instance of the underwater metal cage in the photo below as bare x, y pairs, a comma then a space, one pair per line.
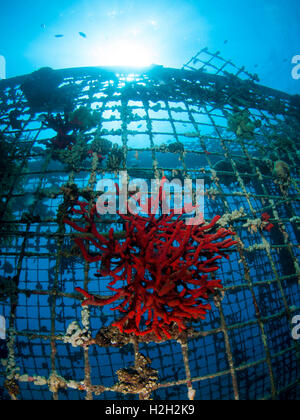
209, 120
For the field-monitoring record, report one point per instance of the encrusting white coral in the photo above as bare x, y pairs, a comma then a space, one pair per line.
78, 336
228, 218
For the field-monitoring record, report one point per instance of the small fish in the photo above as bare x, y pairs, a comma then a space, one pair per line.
58, 36
43, 26
82, 34
136, 155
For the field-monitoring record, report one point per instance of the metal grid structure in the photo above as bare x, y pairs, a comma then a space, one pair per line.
209, 120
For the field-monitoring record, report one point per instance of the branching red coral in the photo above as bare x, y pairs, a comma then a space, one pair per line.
62, 126
265, 217
162, 266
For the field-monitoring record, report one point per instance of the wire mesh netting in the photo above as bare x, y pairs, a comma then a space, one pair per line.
209, 120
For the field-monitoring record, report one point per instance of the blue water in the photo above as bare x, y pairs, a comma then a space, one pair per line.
261, 35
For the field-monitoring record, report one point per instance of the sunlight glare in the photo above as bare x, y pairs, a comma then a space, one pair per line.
126, 53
